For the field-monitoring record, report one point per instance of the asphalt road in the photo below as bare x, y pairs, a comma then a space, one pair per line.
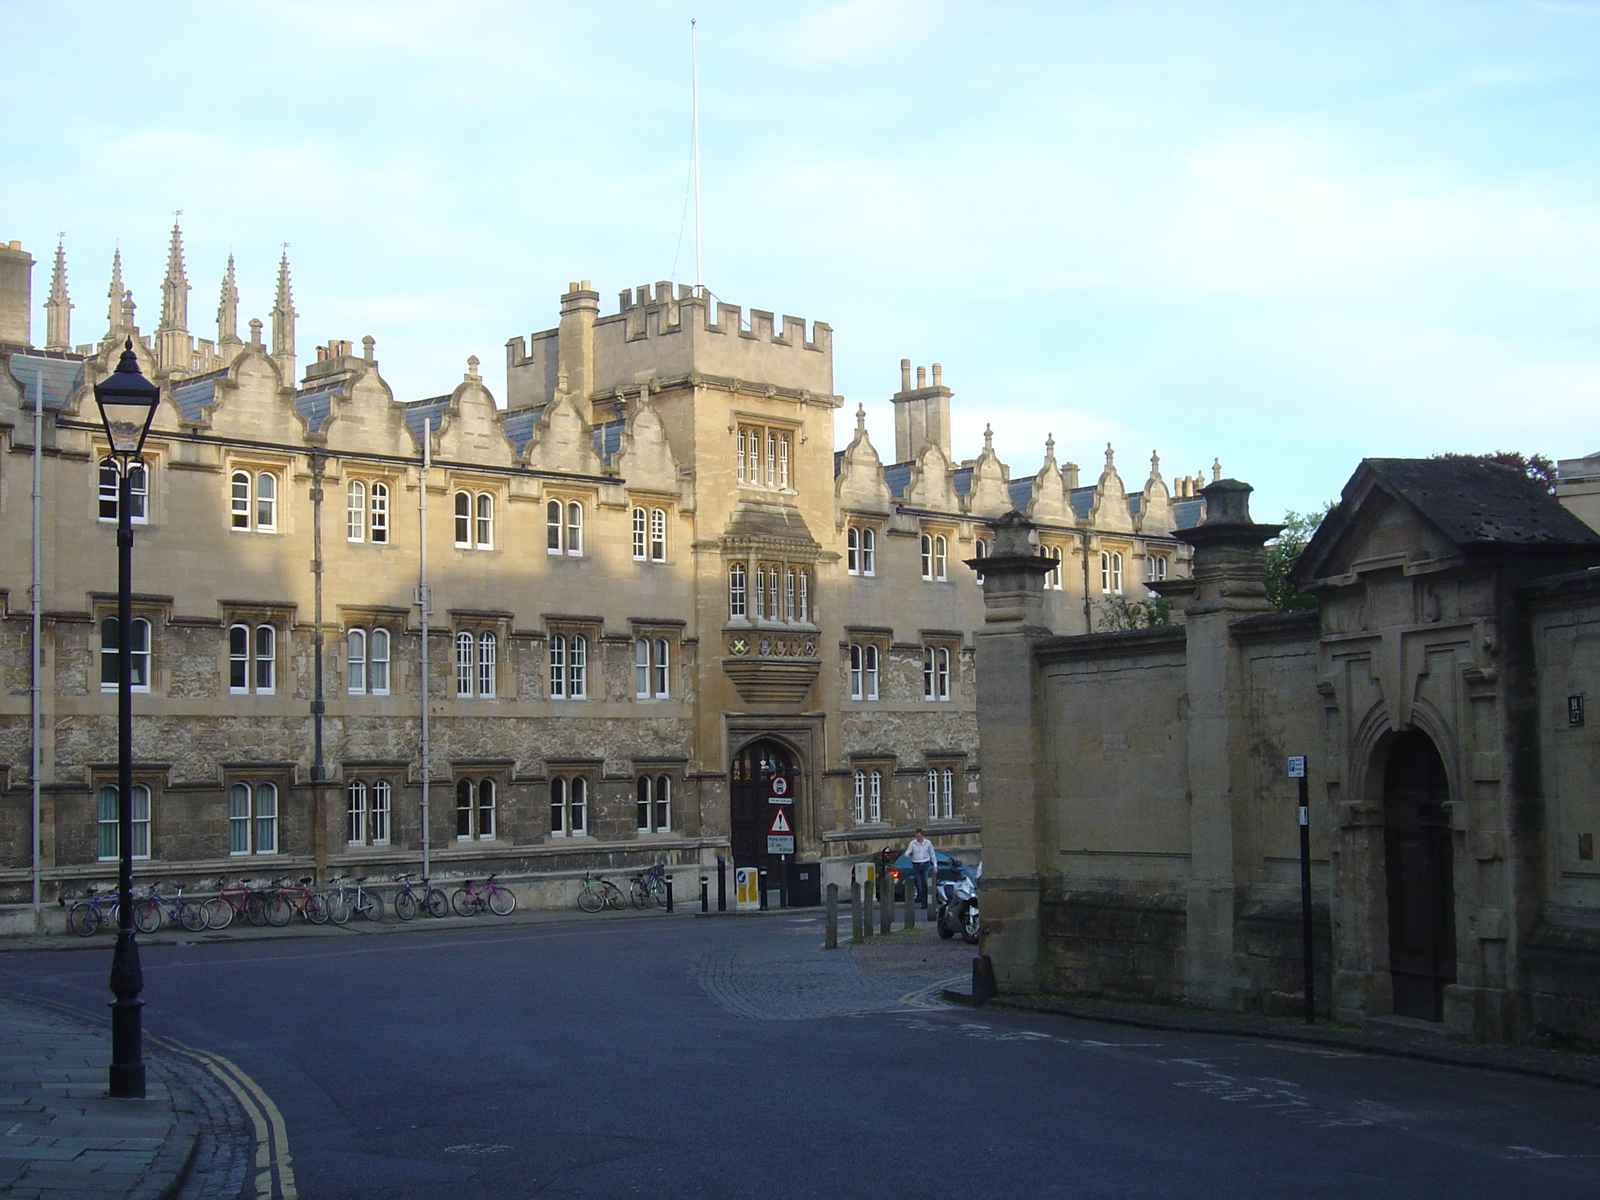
676, 1057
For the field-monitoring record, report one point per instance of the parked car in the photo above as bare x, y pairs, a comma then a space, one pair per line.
950, 868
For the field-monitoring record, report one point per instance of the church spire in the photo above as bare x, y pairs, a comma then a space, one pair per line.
283, 316
228, 310
58, 309
114, 294
175, 287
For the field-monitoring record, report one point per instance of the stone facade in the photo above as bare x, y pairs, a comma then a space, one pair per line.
1140, 828
650, 565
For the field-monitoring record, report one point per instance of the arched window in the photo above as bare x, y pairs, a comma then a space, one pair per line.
939, 557
574, 528
378, 663
466, 674
252, 659
380, 513
639, 533
980, 549
484, 527
475, 810
239, 499
552, 527
805, 593
935, 673
558, 666
1155, 568
852, 550
253, 818
736, 590
660, 669
738, 454
355, 512
1116, 574
108, 822
927, 556
1053, 580
869, 552
772, 594
1105, 572
368, 807
356, 660
783, 460
788, 594
464, 806
367, 661
761, 593
577, 667
653, 803
110, 490
488, 653
378, 820
463, 520
874, 797
658, 535
356, 812
138, 654
569, 806
861, 797
266, 501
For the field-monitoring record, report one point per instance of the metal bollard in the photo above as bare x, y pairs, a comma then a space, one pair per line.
669, 893
867, 891
855, 914
831, 938
705, 893
722, 884
911, 906
886, 907
761, 882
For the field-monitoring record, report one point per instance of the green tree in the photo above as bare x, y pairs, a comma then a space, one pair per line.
1283, 552
1120, 614
1535, 466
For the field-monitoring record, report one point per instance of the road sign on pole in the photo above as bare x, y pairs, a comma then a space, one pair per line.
778, 790
780, 822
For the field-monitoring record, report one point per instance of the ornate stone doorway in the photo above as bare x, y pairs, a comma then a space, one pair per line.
1419, 875
751, 792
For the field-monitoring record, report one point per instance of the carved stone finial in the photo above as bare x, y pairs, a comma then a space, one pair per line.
988, 436
1111, 456
368, 344
861, 418
561, 381
1049, 445
1155, 461
1216, 469
472, 366
255, 331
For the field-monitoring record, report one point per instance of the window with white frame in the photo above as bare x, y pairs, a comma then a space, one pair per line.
762, 456
108, 822
253, 818
935, 553
1110, 573
474, 520
861, 550
252, 659
941, 793
569, 666
138, 654
367, 807
569, 806
658, 535
476, 655
1155, 568
863, 671
936, 672
773, 602
737, 593
653, 802
563, 521
980, 549
1053, 580
475, 810
366, 512
868, 796
110, 490
253, 501
652, 674
367, 662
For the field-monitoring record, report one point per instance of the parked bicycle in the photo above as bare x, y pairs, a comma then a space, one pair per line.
598, 893
647, 886
152, 907
470, 899
409, 899
284, 901
345, 897
236, 900
93, 911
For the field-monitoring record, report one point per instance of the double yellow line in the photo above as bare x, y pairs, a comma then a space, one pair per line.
274, 1178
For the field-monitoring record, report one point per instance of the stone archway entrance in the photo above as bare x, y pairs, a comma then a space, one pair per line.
751, 794
1419, 876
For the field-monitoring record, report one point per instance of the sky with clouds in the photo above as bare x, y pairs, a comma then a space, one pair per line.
1285, 235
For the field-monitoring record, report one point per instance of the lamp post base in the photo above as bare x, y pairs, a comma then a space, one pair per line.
127, 1032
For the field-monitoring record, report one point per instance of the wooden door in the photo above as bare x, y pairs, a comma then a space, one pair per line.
1421, 885
750, 813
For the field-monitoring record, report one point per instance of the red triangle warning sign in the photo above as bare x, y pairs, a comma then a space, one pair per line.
780, 822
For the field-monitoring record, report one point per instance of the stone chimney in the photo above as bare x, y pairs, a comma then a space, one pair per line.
16, 295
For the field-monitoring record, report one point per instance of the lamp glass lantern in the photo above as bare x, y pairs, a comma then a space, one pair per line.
127, 403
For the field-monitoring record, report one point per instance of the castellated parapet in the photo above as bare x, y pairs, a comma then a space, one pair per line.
663, 333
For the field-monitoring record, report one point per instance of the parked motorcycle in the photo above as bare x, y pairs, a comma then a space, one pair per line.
958, 908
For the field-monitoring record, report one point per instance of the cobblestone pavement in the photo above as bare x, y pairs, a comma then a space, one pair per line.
62, 1137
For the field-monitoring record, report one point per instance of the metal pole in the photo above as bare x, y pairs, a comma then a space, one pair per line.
761, 885
669, 893
694, 103
319, 765
35, 688
831, 938
425, 603
705, 893
722, 884
885, 901
1305, 901
856, 937
866, 907
127, 977
911, 906
783, 881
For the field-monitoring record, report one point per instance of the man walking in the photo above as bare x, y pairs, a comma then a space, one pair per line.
923, 862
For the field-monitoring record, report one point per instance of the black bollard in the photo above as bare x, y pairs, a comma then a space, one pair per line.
705, 893
761, 882
983, 983
669, 893
832, 936
856, 936
722, 884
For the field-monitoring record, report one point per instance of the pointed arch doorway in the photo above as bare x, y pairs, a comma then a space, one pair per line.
1420, 876
753, 797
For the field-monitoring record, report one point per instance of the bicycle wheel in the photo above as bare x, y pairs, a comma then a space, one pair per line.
614, 896
83, 918
316, 909
405, 904
502, 903
219, 913
464, 903
658, 891
255, 908
147, 915
191, 916
372, 906
436, 904
639, 893
338, 907
592, 898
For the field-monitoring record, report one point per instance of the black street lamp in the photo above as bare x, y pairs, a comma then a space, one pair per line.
127, 403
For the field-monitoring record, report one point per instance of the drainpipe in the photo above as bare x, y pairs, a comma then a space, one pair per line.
319, 767
35, 689
425, 604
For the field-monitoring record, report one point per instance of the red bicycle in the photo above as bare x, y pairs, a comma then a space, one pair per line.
239, 900
283, 902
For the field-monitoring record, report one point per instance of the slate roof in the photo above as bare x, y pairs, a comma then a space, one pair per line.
193, 394
420, 412
315, 403
518, 425
57, 377
607, 439
1477, 502
1186, 513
